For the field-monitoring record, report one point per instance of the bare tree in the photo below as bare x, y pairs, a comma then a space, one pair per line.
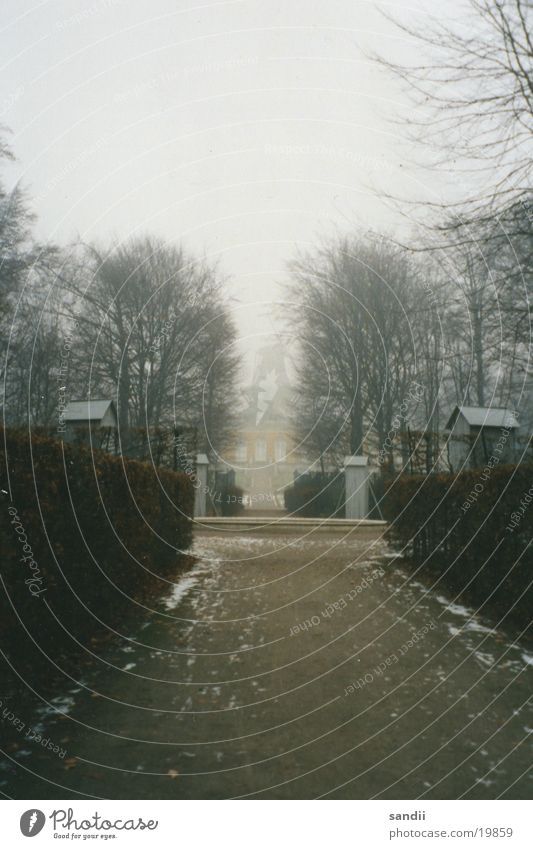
17, 250
219, 370
353, 299
473, 89
29, 329
147, 315
328, 325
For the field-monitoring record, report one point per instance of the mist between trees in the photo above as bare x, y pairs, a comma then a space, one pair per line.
142, 322
389, 341
452, 306
448, 312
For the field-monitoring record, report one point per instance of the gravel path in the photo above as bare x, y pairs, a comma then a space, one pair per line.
288, 667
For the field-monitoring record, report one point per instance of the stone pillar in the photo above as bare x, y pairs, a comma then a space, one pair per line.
200, 484
356, 480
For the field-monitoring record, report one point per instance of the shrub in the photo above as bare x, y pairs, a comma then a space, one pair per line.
230, 500
316, 495
104, 534
461, 528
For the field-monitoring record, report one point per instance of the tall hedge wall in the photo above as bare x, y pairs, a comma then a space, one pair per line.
86, 538
472, 531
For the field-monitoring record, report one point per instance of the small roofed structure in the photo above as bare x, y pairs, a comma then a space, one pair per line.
477, 434
92, 421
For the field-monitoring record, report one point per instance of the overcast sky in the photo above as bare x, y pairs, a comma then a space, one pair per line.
244, 129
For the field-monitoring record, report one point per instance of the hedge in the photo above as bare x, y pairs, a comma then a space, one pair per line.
86, 538
230, 501
316, 495
473, 531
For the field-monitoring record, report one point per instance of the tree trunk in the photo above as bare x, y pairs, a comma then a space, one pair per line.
356, 434
477, 322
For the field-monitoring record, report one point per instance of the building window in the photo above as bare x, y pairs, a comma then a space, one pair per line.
260, 450
280, 450
242, 454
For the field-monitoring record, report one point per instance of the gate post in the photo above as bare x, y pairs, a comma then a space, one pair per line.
200, 493
356, 479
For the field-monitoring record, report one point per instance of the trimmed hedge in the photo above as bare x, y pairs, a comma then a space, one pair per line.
230, 501
316, 496
100, 534
474, 530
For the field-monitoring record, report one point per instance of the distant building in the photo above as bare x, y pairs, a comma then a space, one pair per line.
93, 421
478, 433
265, 456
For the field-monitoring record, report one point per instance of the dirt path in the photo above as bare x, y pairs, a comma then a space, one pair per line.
283, 667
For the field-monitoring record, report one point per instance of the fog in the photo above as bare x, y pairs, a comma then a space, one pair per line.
246, 130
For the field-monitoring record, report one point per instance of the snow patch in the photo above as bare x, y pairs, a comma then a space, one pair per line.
180, 590
456, 609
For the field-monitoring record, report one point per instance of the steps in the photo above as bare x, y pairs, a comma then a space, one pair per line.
273, 522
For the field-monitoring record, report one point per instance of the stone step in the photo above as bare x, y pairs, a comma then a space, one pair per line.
282, 523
